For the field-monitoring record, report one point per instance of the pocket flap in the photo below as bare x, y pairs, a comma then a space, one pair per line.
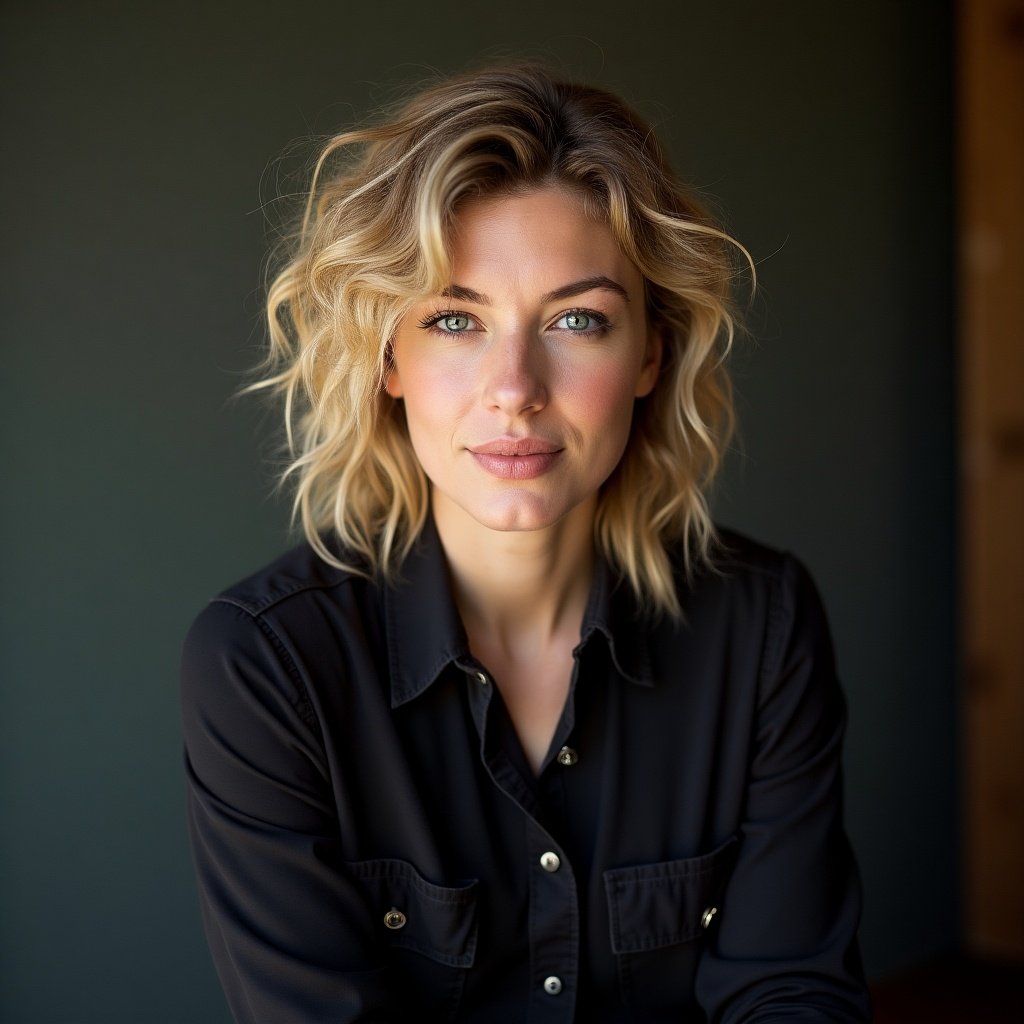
657, 905
412, 913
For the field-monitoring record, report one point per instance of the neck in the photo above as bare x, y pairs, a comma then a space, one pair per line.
518, 590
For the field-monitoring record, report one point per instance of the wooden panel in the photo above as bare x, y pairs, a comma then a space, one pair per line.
991, 157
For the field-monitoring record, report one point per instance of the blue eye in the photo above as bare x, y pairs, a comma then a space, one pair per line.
448, 322
582, 321
576, 321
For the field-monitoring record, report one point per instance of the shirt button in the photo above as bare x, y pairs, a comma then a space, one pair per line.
552, 985
568, 757
705, 918
481, 678
550, 861
394, 919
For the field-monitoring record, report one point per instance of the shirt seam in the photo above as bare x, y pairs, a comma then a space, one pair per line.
775, 626
303, 705
264, 604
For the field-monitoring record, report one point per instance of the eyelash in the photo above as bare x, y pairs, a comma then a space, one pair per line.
431, 319
601, 322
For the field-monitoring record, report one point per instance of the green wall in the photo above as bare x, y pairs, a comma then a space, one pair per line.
141, 142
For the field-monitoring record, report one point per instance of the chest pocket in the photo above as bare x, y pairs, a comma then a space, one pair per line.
428, 932
659, 915
439, 922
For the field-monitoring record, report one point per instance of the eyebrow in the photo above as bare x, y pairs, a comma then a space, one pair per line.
567, 291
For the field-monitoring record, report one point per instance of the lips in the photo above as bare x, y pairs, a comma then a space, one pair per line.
516, 446
516, 458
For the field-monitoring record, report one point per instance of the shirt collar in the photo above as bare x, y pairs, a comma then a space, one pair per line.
425, 633
612, 611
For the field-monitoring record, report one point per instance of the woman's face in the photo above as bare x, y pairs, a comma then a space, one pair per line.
519, 381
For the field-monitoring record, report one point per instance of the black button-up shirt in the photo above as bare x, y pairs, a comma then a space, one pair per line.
371, 843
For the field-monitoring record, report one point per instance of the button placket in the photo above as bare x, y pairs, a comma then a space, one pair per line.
553, 907
554, 929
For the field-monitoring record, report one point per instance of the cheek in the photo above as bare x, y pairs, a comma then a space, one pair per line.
435, 398
602, 397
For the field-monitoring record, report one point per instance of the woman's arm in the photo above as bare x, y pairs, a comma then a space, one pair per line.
785, 946
291, 935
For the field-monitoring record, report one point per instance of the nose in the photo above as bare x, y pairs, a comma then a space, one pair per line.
515, 378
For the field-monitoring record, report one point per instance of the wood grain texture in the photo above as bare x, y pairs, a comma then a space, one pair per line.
991, 166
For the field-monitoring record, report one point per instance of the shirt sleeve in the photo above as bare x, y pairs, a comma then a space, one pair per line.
289, 931
784, 946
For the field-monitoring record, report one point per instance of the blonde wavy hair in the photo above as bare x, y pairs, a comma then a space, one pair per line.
373, 239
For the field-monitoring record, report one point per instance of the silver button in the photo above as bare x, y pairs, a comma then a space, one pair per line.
550, 861
481, 678
552, 985
394, 919
705, 918
568, 757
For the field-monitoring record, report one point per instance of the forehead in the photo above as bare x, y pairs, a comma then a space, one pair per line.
541, 237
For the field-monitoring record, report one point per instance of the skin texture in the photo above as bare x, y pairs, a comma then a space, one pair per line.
519, 403
514, 368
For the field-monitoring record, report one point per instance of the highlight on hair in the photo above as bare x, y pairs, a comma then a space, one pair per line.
373, 239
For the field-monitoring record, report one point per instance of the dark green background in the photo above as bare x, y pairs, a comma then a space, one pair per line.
140, 142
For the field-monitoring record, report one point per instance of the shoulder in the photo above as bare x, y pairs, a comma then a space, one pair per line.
275, 623
300, 571
736, 554
757, 592
772, 592
250, 705
282, 595
743, 569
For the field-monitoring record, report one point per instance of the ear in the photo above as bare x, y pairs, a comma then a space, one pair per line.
392, 383
652, 364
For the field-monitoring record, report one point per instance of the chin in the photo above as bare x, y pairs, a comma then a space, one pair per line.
520, 513
515, 519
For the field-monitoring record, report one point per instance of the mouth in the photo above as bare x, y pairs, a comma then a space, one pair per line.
511, 458
516, 447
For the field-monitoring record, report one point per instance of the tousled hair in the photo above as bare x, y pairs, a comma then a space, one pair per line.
374, 238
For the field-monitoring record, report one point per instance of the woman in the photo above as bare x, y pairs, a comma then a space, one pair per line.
516, 734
